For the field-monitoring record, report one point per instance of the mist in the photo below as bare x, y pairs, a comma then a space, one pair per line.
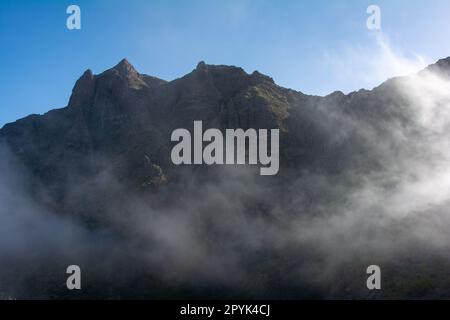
306, 233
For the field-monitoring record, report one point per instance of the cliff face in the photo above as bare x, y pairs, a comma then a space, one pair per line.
121, 121
357, 173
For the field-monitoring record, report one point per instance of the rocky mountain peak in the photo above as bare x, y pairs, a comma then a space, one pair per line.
122, 75
83, 90
124, 67
201, 66
259, 77
441, 67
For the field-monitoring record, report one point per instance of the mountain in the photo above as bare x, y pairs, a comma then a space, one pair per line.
107, 154
127, 118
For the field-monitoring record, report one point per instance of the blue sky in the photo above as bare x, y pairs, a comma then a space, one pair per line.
312, 46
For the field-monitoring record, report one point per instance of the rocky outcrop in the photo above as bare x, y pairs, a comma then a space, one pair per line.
120, 122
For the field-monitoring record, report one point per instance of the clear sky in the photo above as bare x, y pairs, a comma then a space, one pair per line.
311, 46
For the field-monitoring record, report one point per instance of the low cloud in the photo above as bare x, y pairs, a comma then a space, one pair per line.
243, 235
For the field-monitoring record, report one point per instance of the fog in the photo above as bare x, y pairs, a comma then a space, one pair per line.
242, 235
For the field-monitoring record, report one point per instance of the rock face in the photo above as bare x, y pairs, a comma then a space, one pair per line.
123, 120
120, 121
112, 141
126, 118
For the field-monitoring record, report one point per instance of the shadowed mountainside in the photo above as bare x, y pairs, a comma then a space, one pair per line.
104, 162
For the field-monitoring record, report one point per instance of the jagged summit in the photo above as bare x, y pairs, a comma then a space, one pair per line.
221, 82
445, 62
117, 78
256, 75
201, 65
125, 70
124, 62
83, 90
220, 74
228, 75
125, 67
441, 67
88, 74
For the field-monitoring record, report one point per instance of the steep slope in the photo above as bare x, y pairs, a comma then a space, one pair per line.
121, 121
357, 175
